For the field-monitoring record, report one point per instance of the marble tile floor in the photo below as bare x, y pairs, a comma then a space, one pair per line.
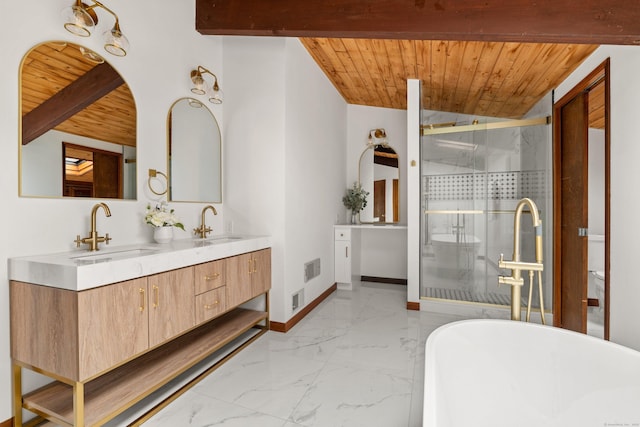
356, 360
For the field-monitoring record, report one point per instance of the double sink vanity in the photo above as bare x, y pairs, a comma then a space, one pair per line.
110, 327
114, 326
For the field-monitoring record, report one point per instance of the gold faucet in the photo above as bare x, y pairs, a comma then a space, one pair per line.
93, 238
203, 230
516, 266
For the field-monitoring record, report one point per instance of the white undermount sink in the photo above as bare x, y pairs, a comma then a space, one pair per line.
222, 239
104, 256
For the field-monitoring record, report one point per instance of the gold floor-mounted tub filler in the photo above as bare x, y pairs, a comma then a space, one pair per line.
516, 266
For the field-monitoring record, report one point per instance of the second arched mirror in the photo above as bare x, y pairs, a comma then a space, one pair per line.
379, 174
194, 153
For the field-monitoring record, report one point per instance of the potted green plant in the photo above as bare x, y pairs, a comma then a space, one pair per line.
355, 200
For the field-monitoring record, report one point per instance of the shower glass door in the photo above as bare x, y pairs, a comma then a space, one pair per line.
472, 177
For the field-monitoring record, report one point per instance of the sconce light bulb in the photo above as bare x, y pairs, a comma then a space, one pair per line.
115, 42
199, 85
78, 20
217, 96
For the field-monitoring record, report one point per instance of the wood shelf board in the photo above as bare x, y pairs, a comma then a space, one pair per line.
128, 384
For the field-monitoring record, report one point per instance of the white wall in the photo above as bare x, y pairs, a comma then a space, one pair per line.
157, 71
316, 129
413, 189
285, 168
596, 182
254, 154
625, 173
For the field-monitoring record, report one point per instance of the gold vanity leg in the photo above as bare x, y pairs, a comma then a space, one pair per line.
17, 394
78, 404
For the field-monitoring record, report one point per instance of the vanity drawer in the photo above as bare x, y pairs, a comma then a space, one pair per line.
209, 275
342, 234
210, 304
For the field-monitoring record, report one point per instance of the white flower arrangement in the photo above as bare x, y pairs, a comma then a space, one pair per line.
162, 216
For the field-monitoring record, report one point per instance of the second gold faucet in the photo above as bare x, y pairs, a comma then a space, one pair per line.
94, 238
203, 229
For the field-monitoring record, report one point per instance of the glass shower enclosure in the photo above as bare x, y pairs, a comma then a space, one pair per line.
473, 173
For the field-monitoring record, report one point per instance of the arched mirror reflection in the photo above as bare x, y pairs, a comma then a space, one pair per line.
379, 174
194, 153
78, 125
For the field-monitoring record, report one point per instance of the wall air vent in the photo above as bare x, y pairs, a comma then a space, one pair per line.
297, 300
311, 269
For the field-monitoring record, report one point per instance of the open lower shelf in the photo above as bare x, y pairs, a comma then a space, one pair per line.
115, 391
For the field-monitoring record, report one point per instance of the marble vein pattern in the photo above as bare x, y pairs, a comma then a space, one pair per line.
356, 360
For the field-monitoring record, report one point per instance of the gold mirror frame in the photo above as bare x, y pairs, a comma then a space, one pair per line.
69, 94
194, 153
370, 187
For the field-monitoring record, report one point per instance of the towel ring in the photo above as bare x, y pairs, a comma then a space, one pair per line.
154, 174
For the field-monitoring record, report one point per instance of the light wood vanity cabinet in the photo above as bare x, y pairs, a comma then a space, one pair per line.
210, 304
170, 295
251, 274
108, 334
77, 335
210, 275
110, 346
261, 274
210, 290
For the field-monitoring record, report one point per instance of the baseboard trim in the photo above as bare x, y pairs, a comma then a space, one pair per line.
383, 280
413, 305
285, 327
8, 423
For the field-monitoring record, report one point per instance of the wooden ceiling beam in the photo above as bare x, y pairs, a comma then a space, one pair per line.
540, 21
93, 85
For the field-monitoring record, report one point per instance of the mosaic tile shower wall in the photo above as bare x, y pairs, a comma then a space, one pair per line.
512, 185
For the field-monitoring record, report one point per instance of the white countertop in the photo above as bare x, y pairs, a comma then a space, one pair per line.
81, 269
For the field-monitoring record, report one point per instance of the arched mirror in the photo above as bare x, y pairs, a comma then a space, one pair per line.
379, 174
77, 123
194, 153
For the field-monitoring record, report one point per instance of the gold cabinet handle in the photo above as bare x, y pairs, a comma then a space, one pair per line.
210, 306
156, 293
255, 269
250, 265
214, 276
142, 299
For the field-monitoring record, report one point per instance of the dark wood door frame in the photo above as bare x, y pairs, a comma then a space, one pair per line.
601, 72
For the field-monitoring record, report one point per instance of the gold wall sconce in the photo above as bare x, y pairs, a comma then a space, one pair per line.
377, 137
201, 87
80, 19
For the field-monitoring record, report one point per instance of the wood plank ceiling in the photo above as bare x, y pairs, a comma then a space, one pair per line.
50, 67
495, 57
495, 79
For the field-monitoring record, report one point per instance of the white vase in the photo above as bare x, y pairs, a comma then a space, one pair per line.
163, 234
354, 217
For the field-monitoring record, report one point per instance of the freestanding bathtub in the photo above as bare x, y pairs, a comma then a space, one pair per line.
505, 373
455, 252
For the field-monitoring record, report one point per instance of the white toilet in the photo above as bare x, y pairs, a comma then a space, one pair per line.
596, 269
